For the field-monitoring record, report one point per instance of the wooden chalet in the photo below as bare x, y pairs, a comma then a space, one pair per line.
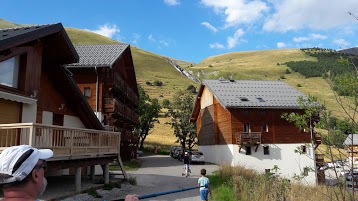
106, 77
351, 147
41, 105
239, 122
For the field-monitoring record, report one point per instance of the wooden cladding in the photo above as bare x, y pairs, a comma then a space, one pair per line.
112, 78
217, 125
120, 110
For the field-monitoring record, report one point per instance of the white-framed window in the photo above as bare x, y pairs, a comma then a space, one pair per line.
264, 128
246, 127
87, 92
9, 72
266, 150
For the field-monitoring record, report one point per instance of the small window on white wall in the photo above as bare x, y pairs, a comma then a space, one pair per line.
87, 92
266, 150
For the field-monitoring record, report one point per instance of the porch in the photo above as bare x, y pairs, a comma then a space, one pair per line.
74, 148
248, 138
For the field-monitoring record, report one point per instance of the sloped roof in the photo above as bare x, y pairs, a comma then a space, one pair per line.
12, 37
254, 94
103, 55
350, 51
349, 139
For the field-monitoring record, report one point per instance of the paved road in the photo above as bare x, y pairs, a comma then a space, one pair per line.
162, 173
158, 174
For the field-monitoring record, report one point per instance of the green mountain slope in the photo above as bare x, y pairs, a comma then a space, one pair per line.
257, 65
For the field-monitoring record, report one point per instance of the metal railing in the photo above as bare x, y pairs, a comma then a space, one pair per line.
64, 141
248, 137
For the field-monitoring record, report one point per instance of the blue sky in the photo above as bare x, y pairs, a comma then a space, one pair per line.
193, 30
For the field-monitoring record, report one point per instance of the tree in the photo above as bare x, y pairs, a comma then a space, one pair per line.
148, 111
166, 103
180, 113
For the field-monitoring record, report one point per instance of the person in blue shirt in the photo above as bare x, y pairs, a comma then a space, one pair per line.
203, 182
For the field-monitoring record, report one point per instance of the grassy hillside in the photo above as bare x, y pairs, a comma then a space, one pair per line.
263, 65
257, 65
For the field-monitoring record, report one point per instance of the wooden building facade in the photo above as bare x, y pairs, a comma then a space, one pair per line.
105, 74
41, 105
240, 123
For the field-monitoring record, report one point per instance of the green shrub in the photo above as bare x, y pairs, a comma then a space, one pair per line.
93, 192
288, 71
299, 85
166, 103
132, 181
158, 83
111, 186
282, 77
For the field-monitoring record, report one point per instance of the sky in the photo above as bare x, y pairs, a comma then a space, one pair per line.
192, 30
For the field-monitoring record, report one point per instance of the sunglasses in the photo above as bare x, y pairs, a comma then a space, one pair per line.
43, 165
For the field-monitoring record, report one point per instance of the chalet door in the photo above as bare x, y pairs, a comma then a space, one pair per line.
9, 113
58, 136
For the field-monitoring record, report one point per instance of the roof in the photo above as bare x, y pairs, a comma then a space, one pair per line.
103, 55
254, 94
350, 51
349, 138
12, 37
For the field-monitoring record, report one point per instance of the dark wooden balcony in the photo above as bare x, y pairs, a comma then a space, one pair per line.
120, 110
317, 139
128, 138
248, 138
120, 85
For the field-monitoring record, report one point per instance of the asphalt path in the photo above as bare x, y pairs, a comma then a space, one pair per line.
162, 173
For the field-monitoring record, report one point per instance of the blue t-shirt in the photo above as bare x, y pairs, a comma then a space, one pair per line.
203, 181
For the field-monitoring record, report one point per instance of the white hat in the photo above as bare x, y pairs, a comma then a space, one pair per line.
19, 161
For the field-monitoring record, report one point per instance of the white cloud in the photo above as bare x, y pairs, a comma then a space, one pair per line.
216, 46
151, 38
238, 11
310, 37
341, 43
172, 2
209, 26
107, 30
232, 41
164, 43
317, 14
136, 38
281, 45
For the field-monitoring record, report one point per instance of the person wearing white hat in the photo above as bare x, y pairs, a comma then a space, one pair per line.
22, 170
22, 173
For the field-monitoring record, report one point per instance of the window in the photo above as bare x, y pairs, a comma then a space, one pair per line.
264, 128
303, 149
267, 171
305, 171
260, 99
266, 150
246, 127
263, 112
248, 150
87, 92
9, 72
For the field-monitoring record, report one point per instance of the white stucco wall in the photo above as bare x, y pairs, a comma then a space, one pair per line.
73, 122
282, 155
47, 117
29, 112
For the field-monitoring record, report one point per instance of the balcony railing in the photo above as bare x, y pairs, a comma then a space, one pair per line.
112, 105
64, 141
248, 138
120, 84
125, 136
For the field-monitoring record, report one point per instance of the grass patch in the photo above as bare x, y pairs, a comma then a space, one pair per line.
93, 192
111, 186
128, 165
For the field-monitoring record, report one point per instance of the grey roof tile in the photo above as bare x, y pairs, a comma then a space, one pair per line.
98, 55
12, 32
254, 93
349, 139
